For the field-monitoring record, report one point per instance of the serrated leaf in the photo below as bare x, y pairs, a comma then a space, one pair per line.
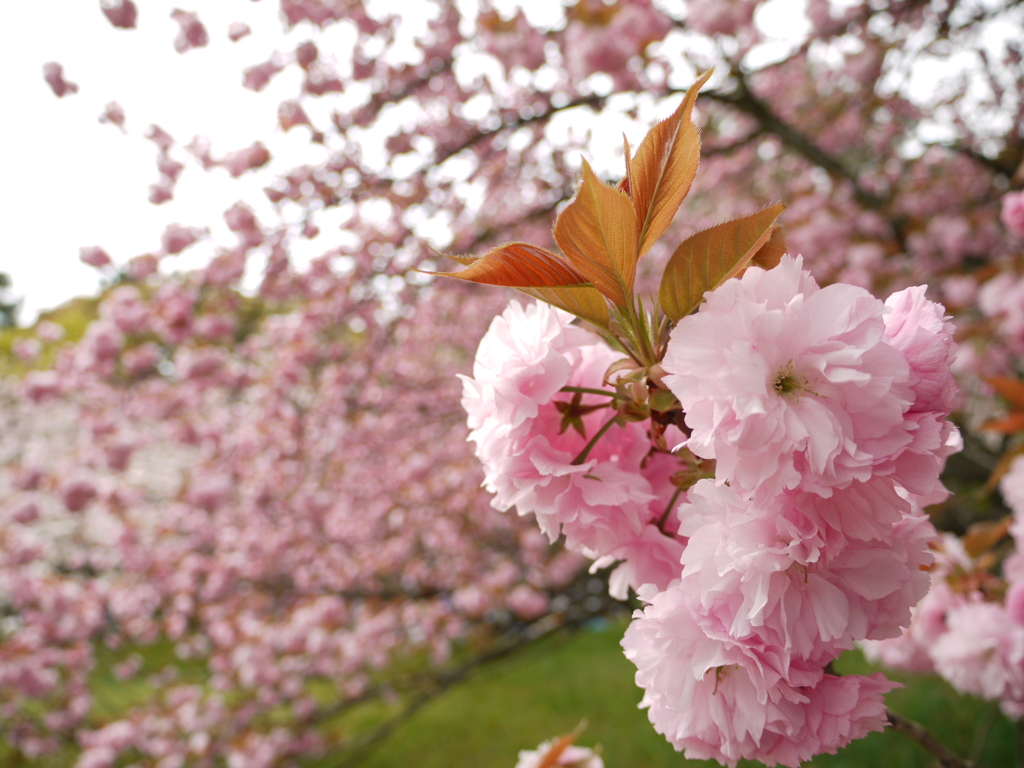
517, 265
597, 232
981, 537
664, 168
463, 260
1006, 426
1011, 390
626, 184
550, 759
562, 743
584, 301
709, 258
771, 253
1002, 467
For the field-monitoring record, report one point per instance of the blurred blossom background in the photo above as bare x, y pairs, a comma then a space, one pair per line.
239, 521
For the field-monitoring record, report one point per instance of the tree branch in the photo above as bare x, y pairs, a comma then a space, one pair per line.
745, 101
994, 164
352, 753
921, 735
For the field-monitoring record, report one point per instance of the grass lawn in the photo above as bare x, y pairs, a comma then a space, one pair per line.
548, 689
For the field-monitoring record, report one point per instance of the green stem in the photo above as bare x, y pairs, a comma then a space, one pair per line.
587, 391
671, 503
593, 441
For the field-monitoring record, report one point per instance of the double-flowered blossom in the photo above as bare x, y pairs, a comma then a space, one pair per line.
520, 423
776, 574
970, 627
824, 412
919, 329
788, 385
726, 698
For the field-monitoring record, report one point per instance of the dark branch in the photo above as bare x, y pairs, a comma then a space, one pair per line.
994, 164
920, 734
745, 101
354, 751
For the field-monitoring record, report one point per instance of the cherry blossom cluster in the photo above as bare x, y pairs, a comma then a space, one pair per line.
530, 435
164, 473
165, 484
969, 628
824, 411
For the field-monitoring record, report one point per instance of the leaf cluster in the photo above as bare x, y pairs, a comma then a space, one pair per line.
605, 230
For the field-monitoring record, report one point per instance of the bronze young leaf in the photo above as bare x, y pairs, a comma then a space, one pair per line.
538, 273
516, 265
771, 252
597, 232
584, 301
709, 258
664, 168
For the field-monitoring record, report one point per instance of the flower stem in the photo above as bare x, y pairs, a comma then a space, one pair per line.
588, 391
668, 509
593, 441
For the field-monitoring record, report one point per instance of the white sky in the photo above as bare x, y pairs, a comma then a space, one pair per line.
69, 181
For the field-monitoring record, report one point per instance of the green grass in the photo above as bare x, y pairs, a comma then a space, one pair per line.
548, 689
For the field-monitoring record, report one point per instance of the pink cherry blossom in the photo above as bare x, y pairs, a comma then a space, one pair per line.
191, 33
229, 430
27, 349
651, 557
94, 256
177, 238
572, 756
787, 385
306, 54
290, 114
141, 267
716, 697
529, 453
161, 192
982, 652
256, 78
781, 574
912, 649
78, 492
526, 603
254, 156
920, 330
1011, 485
515, 43
113, 113
53, 73
237, 30
597, 47
160, 137
49, 331
1012, 214
720, 17
121, 13
521, 362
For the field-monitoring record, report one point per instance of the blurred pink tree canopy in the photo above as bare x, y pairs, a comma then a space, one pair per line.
273, 485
